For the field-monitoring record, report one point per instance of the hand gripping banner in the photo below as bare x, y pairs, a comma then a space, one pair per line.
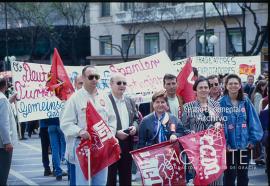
160, 164
104, 148
206, 151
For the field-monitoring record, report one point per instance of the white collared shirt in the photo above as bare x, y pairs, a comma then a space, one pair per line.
123, 112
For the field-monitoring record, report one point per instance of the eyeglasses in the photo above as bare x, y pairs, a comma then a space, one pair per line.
121, 83
212, 84
91, 77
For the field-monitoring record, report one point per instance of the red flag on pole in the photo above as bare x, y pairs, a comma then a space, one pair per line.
160, 164
185, 81
104, 148
58, 80
206, 151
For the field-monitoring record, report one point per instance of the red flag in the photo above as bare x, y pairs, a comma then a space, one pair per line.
185, 81
160, 164
104, 148
58, 80
206, 151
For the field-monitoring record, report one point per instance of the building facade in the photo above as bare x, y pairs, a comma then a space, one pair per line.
174, 27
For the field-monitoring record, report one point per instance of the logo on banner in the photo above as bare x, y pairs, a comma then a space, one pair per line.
160, 164
247, 69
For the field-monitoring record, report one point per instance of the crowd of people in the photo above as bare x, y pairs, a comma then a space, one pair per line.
224, 102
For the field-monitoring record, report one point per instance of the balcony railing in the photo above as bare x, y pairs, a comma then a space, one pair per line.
167, 13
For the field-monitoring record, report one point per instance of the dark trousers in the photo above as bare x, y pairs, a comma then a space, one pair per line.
5, 159
123, 166
237, 167
23, 127
45, 144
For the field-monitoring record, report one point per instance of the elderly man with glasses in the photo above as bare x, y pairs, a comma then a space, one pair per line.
73, 121
215, 89
127, 120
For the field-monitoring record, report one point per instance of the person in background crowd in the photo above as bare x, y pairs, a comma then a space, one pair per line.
242, 130
126, 127
265, 100
159, 126
258, 94
256, 97
8, 132
45, 145
264, 118
249, 87
169, 83
201, 114
215, 89
58, 146
73, 121
78, 82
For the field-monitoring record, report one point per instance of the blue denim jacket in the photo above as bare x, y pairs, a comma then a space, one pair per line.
241, 124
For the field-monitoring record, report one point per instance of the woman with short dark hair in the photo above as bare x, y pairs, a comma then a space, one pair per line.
201, 114
159, 126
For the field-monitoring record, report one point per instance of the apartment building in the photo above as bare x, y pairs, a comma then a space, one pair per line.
174, 27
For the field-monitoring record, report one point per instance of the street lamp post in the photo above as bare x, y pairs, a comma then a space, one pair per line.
203, 39
204, 29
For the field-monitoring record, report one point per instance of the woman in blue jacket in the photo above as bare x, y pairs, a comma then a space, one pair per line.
242, 130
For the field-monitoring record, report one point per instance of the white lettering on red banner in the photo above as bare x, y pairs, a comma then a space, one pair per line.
103, 131
208, 156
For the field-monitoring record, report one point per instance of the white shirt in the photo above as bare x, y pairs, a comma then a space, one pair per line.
73, 119
174, 106
123, 113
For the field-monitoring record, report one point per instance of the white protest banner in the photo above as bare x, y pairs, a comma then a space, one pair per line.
34, 101
209, 65
144, 76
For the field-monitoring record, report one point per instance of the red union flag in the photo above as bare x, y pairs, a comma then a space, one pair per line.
104, 148
160, 164
206, 151
58, 80
185, 81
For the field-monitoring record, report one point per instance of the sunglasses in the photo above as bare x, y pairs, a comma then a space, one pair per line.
216, 84
121, 83
91, 77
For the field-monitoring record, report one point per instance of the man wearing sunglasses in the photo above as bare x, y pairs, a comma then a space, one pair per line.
125, 128
73, 121
215, 89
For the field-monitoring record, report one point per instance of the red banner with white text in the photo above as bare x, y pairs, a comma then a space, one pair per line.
160, 164
206, 151
104, 148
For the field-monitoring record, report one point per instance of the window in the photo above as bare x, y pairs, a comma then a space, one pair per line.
105, 9
236, 38
105, 46
200, 46
151, 43
178, 49
126, 38
265, 43
151, 5
127, 6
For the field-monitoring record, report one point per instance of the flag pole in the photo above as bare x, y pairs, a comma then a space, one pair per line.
89, 168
